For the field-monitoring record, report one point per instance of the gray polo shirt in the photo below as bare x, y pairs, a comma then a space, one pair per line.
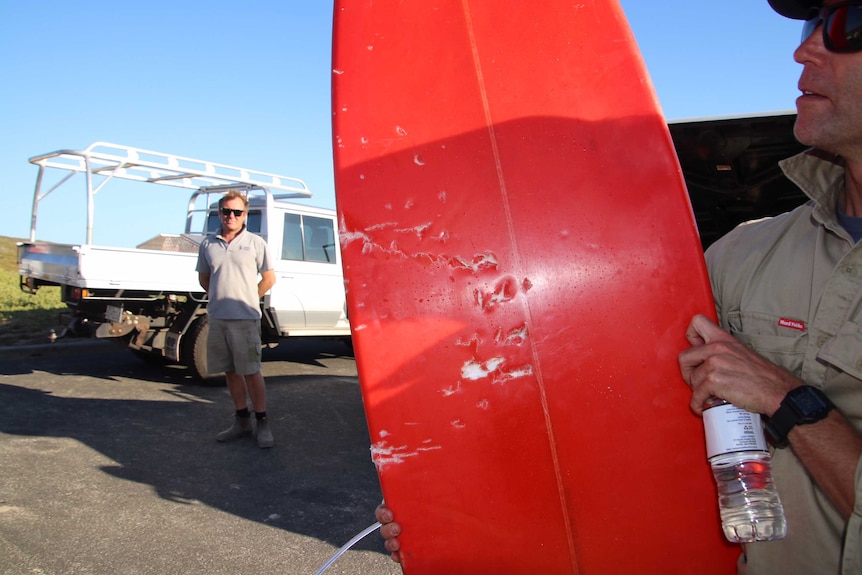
234, 269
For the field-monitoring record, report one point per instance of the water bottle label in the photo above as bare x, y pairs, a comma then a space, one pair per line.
730, 429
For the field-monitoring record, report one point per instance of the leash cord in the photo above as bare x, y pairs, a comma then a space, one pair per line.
356, 538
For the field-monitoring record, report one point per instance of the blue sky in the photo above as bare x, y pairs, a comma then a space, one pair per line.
247, 84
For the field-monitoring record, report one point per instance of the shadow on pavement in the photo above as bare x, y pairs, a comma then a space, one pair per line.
318, 480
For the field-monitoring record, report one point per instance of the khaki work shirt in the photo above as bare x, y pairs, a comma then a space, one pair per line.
791, 288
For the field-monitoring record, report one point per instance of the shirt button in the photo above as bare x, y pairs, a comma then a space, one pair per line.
849, 270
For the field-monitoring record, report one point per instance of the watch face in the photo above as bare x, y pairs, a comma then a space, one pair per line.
811, 402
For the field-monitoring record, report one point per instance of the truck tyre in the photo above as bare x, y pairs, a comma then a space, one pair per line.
194, 351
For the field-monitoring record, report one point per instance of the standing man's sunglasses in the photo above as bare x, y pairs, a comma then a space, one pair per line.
227, 212
842, 26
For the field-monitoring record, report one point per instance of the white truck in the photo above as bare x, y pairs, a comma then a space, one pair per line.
149, 296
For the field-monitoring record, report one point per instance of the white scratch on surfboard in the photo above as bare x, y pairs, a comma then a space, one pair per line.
417, 159
504, 291
442, 196
442, 236
418, 230
480, 262
347, 238
383, 454
451, 390
515, 336
507, 376
475, 370
483, 404
475, 340
400, 131
381, 226
458, 424
337, 71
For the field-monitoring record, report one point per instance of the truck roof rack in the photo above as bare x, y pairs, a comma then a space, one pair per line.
117, 161
130, 163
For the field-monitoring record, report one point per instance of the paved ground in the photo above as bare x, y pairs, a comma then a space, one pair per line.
108, 466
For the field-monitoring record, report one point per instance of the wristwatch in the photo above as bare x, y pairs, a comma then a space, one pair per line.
804, 404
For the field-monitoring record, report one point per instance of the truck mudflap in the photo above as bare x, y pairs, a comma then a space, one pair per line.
269, 334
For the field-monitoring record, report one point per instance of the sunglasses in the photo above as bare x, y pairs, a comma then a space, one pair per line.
842, 26
227, 212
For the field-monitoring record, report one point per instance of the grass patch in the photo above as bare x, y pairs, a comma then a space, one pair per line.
24, 318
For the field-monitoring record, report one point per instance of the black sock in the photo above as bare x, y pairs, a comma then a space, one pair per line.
243, 413
259, 416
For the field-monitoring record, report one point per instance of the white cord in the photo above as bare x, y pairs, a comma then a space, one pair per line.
356, 538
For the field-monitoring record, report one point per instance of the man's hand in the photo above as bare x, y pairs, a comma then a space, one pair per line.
718, 365
389, 530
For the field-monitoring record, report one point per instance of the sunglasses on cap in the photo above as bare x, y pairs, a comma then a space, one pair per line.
842, 26
227, 211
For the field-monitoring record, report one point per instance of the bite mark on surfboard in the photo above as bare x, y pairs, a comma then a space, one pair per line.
480, 262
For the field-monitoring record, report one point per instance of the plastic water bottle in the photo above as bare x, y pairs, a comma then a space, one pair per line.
747, 499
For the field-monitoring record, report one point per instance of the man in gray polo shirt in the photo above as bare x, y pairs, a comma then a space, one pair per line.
228, 268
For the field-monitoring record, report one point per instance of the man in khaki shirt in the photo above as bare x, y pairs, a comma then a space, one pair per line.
789, 290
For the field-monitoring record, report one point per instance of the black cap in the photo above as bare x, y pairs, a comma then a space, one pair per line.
796, 9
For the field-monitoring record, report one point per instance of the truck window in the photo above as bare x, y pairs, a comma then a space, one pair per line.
307, 238
319, 239
291, 243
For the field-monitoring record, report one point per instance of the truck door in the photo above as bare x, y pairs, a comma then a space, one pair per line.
309, 290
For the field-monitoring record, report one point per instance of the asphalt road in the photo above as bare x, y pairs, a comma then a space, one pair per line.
108, 465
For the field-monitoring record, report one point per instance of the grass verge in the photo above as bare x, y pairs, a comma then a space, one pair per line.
24, 318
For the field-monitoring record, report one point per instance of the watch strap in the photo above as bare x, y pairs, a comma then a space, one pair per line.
804, 404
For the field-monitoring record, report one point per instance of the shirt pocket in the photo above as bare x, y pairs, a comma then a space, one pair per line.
844, 350
763, 333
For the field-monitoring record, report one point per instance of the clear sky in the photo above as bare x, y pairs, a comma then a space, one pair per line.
247, 84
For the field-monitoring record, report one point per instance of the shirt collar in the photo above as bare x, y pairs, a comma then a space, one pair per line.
238, 234
821, 177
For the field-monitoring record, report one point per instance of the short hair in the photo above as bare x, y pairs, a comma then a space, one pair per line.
231, 195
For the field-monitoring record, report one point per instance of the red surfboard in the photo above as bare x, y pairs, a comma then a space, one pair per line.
521, 262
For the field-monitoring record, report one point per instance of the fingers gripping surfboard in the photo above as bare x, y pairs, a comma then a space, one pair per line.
521, 262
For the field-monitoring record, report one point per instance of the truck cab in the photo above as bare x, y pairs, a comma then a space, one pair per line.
148, 297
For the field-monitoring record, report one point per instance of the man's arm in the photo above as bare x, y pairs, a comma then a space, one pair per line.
718, 365
204, 280
267, 280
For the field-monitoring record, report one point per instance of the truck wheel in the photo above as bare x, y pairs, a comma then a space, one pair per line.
194, 351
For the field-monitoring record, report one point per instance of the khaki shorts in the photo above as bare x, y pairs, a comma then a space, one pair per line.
234, 345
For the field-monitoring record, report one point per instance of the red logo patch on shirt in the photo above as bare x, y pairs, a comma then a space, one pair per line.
792, 324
